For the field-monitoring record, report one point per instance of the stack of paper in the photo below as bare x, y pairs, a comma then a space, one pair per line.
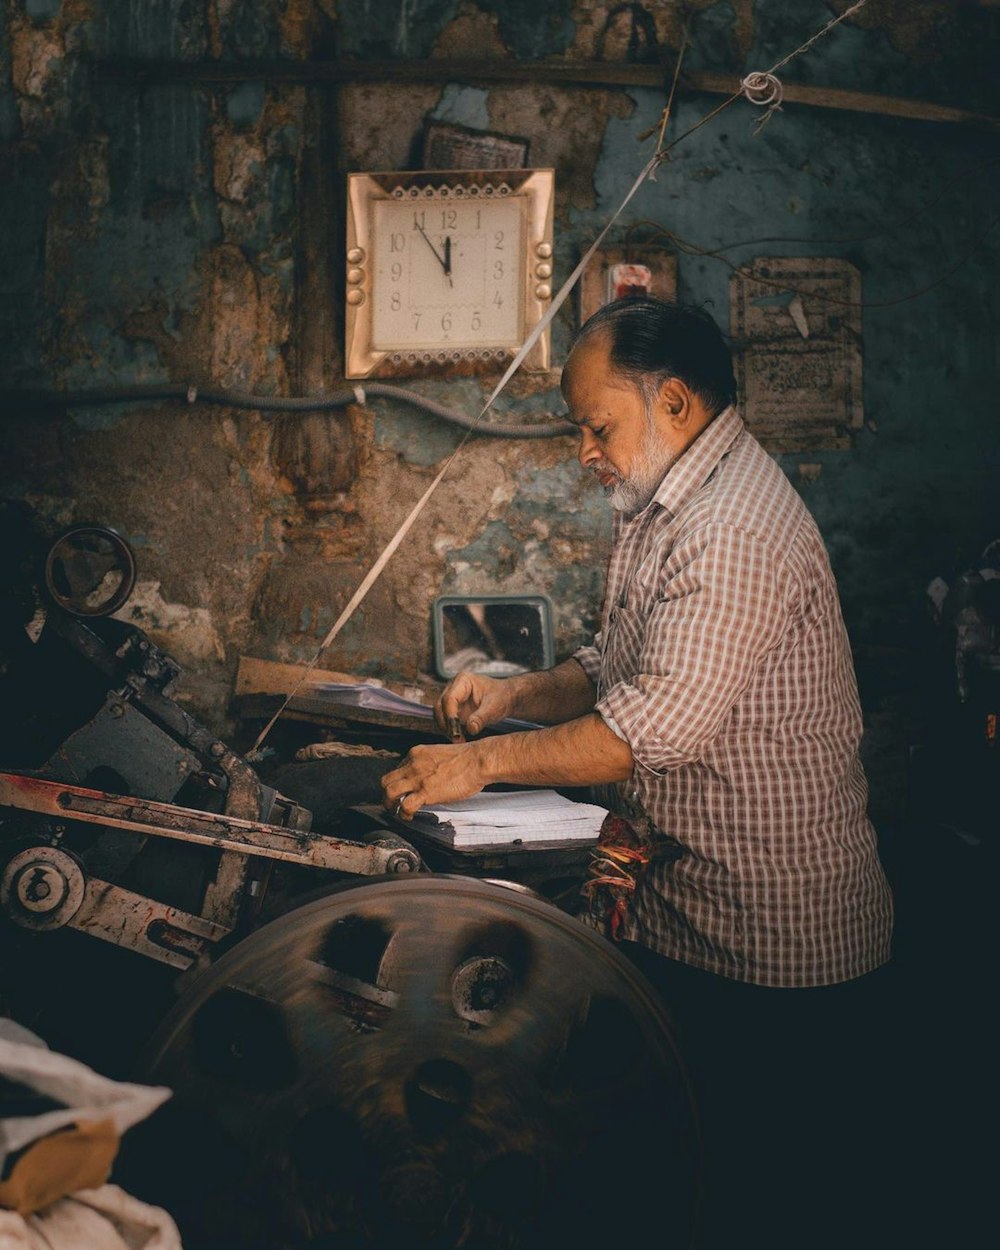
512, 817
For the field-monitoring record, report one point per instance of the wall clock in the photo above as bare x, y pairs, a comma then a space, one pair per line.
447, 271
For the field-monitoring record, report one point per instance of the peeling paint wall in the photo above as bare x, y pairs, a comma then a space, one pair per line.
185, 231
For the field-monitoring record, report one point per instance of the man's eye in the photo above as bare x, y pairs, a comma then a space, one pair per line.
598, 430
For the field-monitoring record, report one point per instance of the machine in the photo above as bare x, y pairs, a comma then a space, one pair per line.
362, 1052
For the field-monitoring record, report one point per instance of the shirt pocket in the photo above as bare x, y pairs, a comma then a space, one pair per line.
623, 639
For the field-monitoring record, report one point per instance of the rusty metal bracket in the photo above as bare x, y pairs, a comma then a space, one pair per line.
138, 923
224, 833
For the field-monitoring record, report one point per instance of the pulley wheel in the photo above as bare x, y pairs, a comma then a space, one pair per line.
90, 570
434, 1061
42, 888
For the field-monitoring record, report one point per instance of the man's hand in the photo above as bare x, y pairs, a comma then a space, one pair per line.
475, 701
433, 774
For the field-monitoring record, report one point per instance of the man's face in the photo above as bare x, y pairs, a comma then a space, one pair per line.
621, 442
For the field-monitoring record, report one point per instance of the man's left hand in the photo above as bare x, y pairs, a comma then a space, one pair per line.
433, 774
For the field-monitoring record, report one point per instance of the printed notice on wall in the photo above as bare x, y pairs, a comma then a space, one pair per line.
796, 326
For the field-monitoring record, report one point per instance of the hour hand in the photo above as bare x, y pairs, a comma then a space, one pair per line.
445, 260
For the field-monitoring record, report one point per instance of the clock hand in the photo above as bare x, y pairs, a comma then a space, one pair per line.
443, 261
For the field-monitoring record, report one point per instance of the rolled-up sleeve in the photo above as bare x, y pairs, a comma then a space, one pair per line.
720, 607
589, 659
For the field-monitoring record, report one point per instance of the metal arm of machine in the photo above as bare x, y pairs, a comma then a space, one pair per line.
224, 832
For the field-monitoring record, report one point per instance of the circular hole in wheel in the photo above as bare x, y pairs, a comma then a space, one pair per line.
243, 1040
437, 1096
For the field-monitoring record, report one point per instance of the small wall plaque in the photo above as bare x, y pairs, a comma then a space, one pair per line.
796, 326
450, 146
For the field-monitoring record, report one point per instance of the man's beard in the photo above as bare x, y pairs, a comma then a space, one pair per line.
649, 467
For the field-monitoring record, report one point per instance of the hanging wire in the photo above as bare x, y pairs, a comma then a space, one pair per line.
693, 249
761, 75
665, 117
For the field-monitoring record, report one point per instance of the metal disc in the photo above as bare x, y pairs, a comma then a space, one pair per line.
436, 1062
42, 888
90, 570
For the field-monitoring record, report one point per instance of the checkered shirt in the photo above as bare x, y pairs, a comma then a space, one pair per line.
724, 662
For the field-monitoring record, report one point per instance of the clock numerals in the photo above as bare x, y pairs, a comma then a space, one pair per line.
450, 276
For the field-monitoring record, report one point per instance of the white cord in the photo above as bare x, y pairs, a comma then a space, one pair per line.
765, 90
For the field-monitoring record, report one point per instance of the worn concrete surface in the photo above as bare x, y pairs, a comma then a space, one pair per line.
182, 232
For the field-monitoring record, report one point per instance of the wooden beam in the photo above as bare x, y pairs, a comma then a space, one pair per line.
597, 74
255, 676
854, 101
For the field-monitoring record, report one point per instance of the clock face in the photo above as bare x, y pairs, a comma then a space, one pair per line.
447, 273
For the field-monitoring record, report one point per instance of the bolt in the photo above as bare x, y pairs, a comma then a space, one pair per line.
117, 709
217, 750
401, 861
40, 888
37, 888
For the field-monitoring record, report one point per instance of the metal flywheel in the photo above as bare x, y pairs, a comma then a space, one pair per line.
421, 1062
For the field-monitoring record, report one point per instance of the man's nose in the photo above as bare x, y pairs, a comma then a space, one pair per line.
589, 452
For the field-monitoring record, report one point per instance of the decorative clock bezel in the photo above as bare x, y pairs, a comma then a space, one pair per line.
535, 186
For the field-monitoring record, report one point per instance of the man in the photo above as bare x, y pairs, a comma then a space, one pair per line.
719, 698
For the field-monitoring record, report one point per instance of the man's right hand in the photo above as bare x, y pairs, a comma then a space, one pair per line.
476, 701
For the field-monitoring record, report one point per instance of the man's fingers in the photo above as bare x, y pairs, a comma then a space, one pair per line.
402, 797
432, 774
455, 694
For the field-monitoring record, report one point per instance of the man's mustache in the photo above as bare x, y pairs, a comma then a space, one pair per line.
606, 467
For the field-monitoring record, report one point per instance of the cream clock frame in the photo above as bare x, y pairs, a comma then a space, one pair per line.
448, 271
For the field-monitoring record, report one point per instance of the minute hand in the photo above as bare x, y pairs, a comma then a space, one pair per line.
443, 261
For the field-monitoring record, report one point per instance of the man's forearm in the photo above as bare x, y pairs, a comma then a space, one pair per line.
552, 696
580, 752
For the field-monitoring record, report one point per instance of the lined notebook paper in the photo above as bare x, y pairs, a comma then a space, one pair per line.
511, 816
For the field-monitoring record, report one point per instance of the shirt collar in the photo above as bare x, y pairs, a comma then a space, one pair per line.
698, 462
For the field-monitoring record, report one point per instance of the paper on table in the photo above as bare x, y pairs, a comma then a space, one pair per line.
377, 698
511, 816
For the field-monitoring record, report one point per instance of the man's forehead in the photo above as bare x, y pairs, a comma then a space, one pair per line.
592, 350
587, 369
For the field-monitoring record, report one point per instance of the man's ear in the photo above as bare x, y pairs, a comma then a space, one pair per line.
677, 403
